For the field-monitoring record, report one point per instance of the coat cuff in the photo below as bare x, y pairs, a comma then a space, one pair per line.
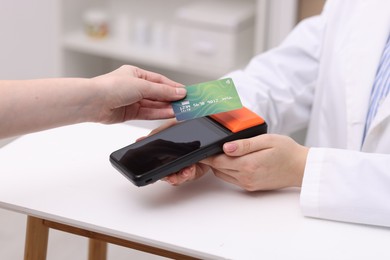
310, 191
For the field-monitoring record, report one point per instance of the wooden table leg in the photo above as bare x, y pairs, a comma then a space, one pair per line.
37, 235
97, 249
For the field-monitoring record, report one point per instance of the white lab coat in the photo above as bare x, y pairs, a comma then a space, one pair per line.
321, 77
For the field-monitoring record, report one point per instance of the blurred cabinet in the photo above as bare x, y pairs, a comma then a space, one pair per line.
147, 34
50, 41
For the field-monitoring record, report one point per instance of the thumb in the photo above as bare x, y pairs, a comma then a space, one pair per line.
245, 146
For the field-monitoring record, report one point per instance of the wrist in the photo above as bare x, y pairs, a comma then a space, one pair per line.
301, 164
84, 98
93, 100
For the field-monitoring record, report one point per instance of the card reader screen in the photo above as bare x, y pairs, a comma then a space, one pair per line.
168, 145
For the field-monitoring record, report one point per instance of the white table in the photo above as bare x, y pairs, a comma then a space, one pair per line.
64, 176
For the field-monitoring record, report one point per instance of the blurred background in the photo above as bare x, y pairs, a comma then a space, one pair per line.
190, 41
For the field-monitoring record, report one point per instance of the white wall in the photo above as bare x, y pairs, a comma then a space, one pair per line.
28, 39
275, 19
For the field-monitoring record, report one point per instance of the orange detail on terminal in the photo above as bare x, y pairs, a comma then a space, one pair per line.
238, 120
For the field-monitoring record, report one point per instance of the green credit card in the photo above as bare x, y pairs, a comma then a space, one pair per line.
206, 99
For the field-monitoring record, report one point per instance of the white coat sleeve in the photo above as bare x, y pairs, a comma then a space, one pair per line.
279, 84
348, 186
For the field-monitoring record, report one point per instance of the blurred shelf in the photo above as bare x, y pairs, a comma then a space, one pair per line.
81, 55
115, 49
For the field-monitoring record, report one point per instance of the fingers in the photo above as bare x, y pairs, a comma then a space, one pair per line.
247, 146
226, 177
147, 103
148, 85
163, 88
151, 110
155, 113
186, 174
222, 162
190, 173
161, 92
155, 77
140, 138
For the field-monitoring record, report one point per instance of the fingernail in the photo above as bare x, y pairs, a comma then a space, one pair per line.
230, 147
181, 91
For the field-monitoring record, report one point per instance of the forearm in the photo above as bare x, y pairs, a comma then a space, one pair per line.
34, 105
